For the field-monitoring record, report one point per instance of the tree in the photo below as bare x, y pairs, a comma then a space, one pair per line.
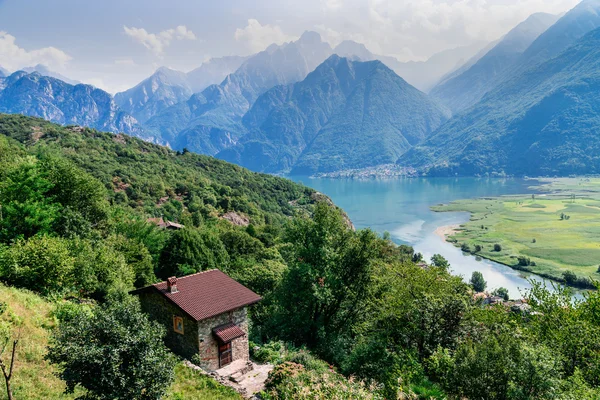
113, 352
502, 292
478, 282
27, 206
497, 247
41, 263
7, 367
327, 283
440, 262
192, 250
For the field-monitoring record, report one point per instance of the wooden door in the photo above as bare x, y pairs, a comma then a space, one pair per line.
225, 355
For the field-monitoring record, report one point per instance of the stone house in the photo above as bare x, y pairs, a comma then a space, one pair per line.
205, 314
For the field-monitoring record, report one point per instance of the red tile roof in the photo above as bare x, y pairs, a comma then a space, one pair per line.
206, 294
226, 333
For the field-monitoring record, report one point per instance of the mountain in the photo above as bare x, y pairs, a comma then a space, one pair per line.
45, 71
3, 72
57, 101
163, 89
345, 114
582, 19
421, 74
211, 120
213, 72
466, 89
542, 122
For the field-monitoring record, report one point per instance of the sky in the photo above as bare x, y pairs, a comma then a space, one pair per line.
114, 44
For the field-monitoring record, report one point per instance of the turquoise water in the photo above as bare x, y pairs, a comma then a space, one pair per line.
401, 207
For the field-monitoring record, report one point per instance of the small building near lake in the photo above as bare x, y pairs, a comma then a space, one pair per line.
205, 315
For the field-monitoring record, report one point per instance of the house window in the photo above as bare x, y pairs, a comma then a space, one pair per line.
178, 324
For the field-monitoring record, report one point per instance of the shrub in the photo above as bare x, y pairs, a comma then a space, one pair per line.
465, 247
116, 352
497, 247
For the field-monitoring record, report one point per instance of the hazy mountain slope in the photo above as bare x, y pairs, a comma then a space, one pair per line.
542, 122
582, 19
60, 102
211, 120
421, 74
3, 72
213, 72
161, 90
466, 89
345, 114
45, 71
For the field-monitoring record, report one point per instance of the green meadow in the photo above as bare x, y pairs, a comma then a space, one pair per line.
553, 232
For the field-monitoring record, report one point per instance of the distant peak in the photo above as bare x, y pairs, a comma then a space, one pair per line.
310, 37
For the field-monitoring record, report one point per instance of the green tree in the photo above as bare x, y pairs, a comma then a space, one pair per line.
115, 352
26, 206
191, 250
438, 261
478, 282
502, 292
41, 263
329, 271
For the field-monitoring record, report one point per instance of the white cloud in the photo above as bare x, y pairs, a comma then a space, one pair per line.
258, 37
14, 57
428, 26
157, 42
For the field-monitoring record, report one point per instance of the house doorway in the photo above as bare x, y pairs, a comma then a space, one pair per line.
225, 355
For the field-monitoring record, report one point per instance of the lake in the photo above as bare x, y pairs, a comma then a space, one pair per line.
400, 206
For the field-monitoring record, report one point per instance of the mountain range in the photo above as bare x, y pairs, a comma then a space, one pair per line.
525, 104
57, 101
210, 121
167, 87
464, 90
544, 121
345, 114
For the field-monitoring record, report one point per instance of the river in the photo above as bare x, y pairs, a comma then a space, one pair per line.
401, 206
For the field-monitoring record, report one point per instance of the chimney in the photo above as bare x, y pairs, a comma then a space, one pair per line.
172, 284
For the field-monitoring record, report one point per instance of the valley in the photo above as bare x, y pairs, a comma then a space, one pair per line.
553, 234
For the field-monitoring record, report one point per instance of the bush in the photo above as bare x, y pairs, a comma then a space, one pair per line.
116, 352
465, 247
497, 247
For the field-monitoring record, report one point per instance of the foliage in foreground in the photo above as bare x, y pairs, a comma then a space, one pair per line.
113, 352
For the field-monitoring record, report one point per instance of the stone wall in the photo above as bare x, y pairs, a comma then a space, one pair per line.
209, 346
161, 310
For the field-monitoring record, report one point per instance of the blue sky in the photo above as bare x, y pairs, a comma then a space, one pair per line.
114, 44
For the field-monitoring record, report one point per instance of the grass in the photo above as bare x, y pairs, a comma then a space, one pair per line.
190, 384
531, 226
34, 378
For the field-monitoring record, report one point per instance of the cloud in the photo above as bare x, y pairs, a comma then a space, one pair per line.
427, 26
258, 37
14, 57
157, 42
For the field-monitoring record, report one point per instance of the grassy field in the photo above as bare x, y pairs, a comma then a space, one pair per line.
532, 227
34, 378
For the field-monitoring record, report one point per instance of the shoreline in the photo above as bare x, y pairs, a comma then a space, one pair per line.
444, 232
